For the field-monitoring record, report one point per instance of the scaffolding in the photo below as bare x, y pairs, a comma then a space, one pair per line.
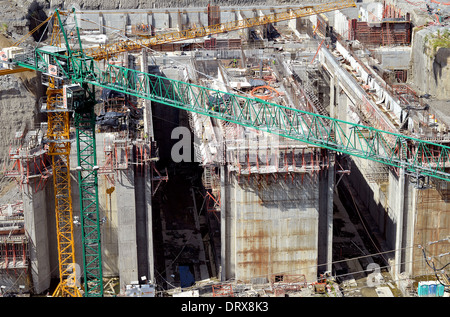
213, 14
14, 250
251, 152
107, 169
282, 283
121, 153
211, 182
264, 158
222, 290
116, 154
304, 84
125, 145
29, 163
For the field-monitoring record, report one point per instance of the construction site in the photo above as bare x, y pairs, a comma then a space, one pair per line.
225, 149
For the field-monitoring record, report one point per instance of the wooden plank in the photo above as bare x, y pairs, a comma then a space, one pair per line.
14, 70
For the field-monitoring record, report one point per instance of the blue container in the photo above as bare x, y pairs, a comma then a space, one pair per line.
432, 289
422, 289
440, 290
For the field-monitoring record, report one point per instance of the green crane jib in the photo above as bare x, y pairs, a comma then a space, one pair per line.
415, 155
397, 150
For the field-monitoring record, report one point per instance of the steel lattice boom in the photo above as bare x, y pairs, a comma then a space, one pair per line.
397, 150
415, 155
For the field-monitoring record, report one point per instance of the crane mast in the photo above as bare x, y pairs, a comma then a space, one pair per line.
88, 188
58, 135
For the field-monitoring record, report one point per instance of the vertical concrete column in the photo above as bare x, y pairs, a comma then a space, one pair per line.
101, 23
224, 242
148, 20
180, 23
325, 238
295, 23
35, 214
148, 203
126, 218
400, 202
169, 19
263, 28
411, 224
331, 180
246, 31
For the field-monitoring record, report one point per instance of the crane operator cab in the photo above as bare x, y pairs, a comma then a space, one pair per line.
74, 97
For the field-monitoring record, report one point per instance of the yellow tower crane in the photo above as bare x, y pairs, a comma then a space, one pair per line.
58, 135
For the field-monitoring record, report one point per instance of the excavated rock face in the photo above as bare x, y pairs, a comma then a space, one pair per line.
19, 93
430, 63
149, 4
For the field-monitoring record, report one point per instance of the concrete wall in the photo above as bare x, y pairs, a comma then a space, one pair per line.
166, 18
341, 24
271, 227
40, 221
35, 212
109, 230
107, 200
126, 209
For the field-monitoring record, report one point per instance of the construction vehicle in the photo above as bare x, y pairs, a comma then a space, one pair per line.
67, 66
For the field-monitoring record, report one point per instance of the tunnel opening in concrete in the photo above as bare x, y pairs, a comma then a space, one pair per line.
181, 225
